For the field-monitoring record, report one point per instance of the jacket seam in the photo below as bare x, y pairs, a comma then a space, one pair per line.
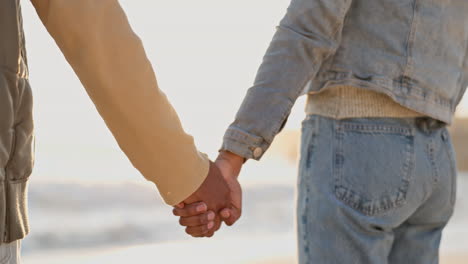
339, 25
252, 138
409, 45
392, 92
286, 112
343, 17
344, 20
462, 90
237, 141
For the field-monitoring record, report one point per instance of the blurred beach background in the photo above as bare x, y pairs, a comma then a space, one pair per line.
89, 205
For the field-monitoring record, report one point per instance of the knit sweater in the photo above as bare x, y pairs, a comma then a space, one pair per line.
351, 102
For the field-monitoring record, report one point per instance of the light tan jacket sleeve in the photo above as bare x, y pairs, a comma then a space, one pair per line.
110, 61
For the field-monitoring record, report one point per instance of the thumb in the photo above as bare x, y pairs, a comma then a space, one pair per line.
225, 213
230, 216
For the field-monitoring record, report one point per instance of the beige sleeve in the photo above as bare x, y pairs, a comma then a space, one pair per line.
109, 59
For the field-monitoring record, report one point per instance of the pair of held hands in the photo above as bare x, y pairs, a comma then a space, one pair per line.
219, 198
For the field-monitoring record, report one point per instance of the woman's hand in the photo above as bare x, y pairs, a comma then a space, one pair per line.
203, 222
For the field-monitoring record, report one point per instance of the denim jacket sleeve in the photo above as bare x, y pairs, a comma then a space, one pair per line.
307, 35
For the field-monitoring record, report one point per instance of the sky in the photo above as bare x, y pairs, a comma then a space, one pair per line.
205, 54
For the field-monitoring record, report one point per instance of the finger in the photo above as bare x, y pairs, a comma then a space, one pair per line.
201, 219
234, 215
197, 231
180, 205
225, 213
216, 227
191, 209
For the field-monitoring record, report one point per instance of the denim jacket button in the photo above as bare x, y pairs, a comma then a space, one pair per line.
257, 152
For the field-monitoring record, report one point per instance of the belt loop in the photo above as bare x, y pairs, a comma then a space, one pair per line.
445, 135
421, 124
427, 124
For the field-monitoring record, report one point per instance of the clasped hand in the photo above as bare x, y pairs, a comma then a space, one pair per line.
217, 200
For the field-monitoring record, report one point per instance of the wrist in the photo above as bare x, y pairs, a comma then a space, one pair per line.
231, 157
233, 160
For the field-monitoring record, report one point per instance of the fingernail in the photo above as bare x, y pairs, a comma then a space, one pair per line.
225, 214
201, 208
211, 216
210, 225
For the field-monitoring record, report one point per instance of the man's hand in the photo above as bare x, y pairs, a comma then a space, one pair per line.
230, 166
198, 217
198, 221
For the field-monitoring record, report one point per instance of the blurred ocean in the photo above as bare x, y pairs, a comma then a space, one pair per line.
72, 219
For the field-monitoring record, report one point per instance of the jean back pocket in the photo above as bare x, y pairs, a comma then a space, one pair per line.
372, 165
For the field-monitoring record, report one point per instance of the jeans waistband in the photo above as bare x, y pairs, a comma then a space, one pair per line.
428, 124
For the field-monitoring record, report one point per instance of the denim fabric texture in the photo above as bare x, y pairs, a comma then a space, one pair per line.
374, 190
414, 51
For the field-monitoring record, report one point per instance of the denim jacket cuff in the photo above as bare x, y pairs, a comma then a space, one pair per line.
244, 144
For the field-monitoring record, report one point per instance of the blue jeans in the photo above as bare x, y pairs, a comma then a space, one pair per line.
374, 190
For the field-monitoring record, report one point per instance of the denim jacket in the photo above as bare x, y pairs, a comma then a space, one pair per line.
415, 51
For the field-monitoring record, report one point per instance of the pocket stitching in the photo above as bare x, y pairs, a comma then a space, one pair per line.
385, 203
